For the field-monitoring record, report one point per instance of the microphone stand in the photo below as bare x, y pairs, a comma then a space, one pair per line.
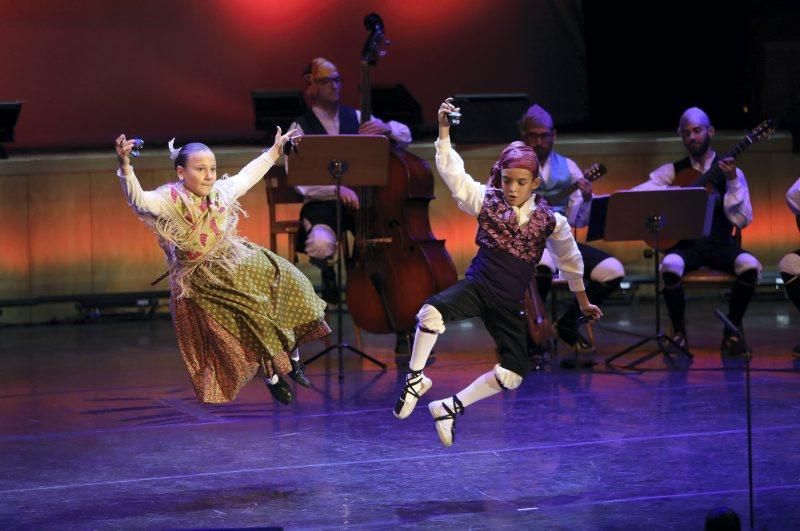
732, 329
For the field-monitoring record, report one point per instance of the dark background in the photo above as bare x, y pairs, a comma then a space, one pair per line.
89, 70
648, 61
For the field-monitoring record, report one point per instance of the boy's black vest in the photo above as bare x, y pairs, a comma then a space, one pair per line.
507, 253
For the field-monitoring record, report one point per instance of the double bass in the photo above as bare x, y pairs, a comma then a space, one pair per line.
396, 262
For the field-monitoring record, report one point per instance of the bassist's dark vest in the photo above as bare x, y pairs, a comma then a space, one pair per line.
348, 122
721, 227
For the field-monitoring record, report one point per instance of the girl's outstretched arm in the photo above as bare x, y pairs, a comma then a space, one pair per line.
143, 202
236, 186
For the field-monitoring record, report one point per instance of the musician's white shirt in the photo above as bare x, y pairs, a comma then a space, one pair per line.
577, 209
736, 201
793, 198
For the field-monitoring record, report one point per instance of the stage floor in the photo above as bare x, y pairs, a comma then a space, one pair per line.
101, 430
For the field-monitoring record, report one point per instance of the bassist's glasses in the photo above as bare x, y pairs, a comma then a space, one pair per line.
327, 81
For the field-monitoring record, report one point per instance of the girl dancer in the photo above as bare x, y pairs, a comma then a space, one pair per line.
236, 306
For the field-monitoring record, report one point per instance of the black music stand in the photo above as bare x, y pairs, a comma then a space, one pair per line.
9, 112
354, 160
656, 215
748, 356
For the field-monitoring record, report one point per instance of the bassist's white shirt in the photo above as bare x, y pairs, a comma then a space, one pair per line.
736, 201
398, 132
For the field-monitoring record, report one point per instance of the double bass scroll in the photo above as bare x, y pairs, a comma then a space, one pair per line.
387, 283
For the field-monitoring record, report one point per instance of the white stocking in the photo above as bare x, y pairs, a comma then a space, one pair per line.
484, 386
423, 344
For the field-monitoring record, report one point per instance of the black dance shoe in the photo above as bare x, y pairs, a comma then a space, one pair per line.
280, 391
298, 375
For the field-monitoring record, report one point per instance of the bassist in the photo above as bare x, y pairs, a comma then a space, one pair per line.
326, 115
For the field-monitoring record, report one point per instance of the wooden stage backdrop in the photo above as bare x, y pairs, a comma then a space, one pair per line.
65, 228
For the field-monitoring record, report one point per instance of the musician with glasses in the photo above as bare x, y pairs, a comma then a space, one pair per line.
602, 272
326, 115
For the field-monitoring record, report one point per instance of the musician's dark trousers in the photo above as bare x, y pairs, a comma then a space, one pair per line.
324, 213
597, 292
790, 273
792, 284
707, 253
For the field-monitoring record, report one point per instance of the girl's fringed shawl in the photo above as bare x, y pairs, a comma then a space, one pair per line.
199, 237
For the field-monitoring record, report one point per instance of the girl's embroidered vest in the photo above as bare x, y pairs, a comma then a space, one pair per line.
507, 253
560, 178
199, 238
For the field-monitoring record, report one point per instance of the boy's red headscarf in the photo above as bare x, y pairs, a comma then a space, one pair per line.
515, 155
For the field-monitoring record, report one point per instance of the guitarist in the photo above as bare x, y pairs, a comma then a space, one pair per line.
789, 266
719, 250
602, 272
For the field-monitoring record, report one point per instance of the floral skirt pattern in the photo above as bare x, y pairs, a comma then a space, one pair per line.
251, 319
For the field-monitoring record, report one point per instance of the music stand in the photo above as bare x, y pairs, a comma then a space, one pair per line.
748, 356
9, 112
279, 108
654, 216
354, 160
597, 218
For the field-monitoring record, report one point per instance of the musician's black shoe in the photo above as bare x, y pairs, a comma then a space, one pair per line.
539, 356
330, 290
280, 391
679, 337
401, 345
298, 375
574, 339
732, 346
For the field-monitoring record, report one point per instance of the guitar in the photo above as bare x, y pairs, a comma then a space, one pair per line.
539, 328
691, 178
594, 172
